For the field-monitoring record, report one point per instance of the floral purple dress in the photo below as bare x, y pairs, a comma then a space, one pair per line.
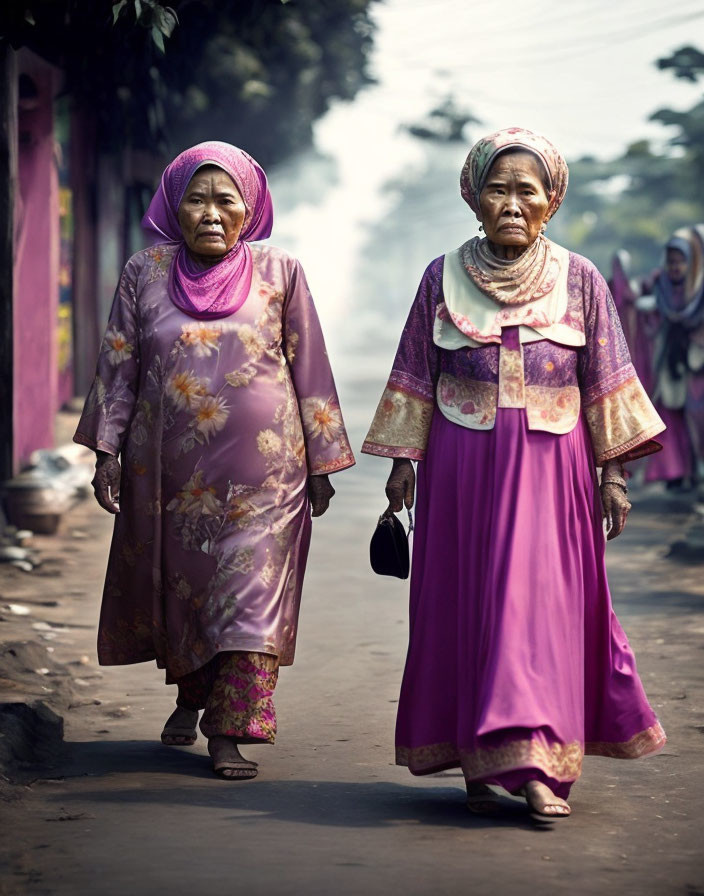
218, 424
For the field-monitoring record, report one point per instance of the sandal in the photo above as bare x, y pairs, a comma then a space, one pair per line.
177, 732
538, 803
228, 763
484, 801
234, 771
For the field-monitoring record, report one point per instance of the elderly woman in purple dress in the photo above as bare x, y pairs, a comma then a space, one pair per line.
215, 392
511, 385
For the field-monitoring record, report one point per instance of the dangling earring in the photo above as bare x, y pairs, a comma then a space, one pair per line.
543, 227
481, 227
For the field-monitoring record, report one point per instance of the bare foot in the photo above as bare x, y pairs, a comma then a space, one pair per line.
481, 799
542, 801
228, 762
180, 728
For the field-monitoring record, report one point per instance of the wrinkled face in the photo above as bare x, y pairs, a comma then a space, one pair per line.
676, 266
514, 202
211, 213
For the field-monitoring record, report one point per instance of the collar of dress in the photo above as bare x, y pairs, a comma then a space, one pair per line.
469, 318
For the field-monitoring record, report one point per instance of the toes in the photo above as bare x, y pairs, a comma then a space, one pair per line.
556, 809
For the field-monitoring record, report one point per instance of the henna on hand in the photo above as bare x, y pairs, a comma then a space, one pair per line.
614, 497
401, 484
106, 482
320, 491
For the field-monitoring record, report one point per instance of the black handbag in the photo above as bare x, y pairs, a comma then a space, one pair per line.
388, 549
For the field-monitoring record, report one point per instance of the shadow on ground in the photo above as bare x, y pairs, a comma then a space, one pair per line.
336, 803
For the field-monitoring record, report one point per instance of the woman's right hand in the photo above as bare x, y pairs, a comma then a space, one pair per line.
106, 482
401, 484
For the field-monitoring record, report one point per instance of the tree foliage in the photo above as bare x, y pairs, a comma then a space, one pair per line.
687, 63
637, 200
155, 76
260, 73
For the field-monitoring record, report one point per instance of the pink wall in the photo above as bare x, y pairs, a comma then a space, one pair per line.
36, 267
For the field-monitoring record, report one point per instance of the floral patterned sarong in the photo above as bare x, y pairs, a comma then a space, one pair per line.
236, 691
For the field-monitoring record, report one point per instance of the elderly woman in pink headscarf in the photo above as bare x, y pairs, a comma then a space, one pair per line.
512, 384
215, 392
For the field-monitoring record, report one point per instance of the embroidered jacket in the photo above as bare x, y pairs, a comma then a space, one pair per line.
465, 354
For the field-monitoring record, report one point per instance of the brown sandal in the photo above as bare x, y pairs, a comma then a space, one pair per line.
180, 734
483, 801
228, 763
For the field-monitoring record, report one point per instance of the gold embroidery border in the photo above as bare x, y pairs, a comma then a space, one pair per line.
562, 762
512, 386
392, 451
401, 424
483, 394
621, 421
553, 409
645, 743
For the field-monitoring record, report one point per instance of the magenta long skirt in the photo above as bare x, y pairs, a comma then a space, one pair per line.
517, 665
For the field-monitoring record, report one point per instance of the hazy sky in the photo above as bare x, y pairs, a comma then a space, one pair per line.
580, 71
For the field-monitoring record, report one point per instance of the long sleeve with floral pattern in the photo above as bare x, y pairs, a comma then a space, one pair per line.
218, 424
111, 399
402, 421
327, 446
621, 418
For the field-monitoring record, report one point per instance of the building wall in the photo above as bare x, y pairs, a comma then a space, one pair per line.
36, 266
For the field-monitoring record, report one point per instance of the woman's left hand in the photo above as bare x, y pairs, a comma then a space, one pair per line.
320, 491
614, 498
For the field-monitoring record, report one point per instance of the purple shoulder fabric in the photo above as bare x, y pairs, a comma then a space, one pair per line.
402, 421
605, 361
415, 366
622, 420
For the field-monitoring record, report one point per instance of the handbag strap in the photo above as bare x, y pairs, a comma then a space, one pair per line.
389, 512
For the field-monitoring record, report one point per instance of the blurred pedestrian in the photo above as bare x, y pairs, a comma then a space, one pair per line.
677, 357
511, 384
638, 328
215, 392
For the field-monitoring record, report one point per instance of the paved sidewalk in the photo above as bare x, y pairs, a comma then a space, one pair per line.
329, 812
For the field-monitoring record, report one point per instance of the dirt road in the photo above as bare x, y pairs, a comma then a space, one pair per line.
329, 812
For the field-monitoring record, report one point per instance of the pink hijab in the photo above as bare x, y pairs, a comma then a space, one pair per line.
219, 290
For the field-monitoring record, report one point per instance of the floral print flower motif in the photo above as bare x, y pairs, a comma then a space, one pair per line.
268, 443
211, 412
292, 340
185, 389
117, 347
161, 257
202, 337
196, 499
252, 341
239, 506
241, 377
269, 292
322, 418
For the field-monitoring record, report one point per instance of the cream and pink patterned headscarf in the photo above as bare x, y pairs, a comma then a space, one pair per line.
534, 273
484, 151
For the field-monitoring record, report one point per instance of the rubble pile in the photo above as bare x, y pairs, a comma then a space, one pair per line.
39, 496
